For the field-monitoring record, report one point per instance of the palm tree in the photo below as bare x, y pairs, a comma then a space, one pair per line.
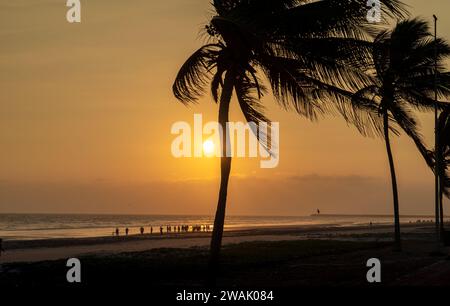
443, 157
404, 81
308, 51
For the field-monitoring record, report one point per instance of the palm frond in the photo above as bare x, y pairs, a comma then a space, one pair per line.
287, 89
248, 93
195, 73
332, 18
405, 118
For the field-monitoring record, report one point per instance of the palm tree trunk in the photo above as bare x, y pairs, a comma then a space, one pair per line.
225, 168
441, 213
437, 188
398, 243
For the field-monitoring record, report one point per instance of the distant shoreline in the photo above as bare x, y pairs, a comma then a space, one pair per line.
373, 216
207, 215
48, 227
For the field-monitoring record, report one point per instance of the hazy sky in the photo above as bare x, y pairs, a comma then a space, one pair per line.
86, 111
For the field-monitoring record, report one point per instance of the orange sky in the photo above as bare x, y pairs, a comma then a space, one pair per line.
86, 111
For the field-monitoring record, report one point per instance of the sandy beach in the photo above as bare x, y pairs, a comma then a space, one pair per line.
53, 249
274, 257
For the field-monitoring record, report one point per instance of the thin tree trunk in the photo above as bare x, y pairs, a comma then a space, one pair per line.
437, 189
441, 213
225, 168
398, 242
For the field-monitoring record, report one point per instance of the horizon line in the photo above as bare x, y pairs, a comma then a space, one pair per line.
230, 215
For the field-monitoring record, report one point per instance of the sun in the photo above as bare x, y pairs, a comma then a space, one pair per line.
208, 147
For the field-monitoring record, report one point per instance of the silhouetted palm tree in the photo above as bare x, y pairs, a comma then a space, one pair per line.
404, 71
443, 159
308, 51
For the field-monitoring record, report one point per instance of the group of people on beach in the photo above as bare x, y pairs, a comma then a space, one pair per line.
170, 229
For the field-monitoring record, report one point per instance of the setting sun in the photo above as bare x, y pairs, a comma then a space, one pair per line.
208, 147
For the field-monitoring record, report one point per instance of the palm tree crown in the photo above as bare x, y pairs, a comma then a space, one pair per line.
404, 75
308, 51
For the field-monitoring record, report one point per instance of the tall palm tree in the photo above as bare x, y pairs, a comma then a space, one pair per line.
404, 81
443, 157
308, 51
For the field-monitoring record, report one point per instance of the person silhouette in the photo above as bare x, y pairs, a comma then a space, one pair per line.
151, 229
117, 231
161, 230
142, 230
126, 231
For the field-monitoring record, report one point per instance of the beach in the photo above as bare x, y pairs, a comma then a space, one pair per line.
52, 249
261, 252
284, 260
268, 257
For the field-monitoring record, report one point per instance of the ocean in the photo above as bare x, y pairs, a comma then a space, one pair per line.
47, 226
